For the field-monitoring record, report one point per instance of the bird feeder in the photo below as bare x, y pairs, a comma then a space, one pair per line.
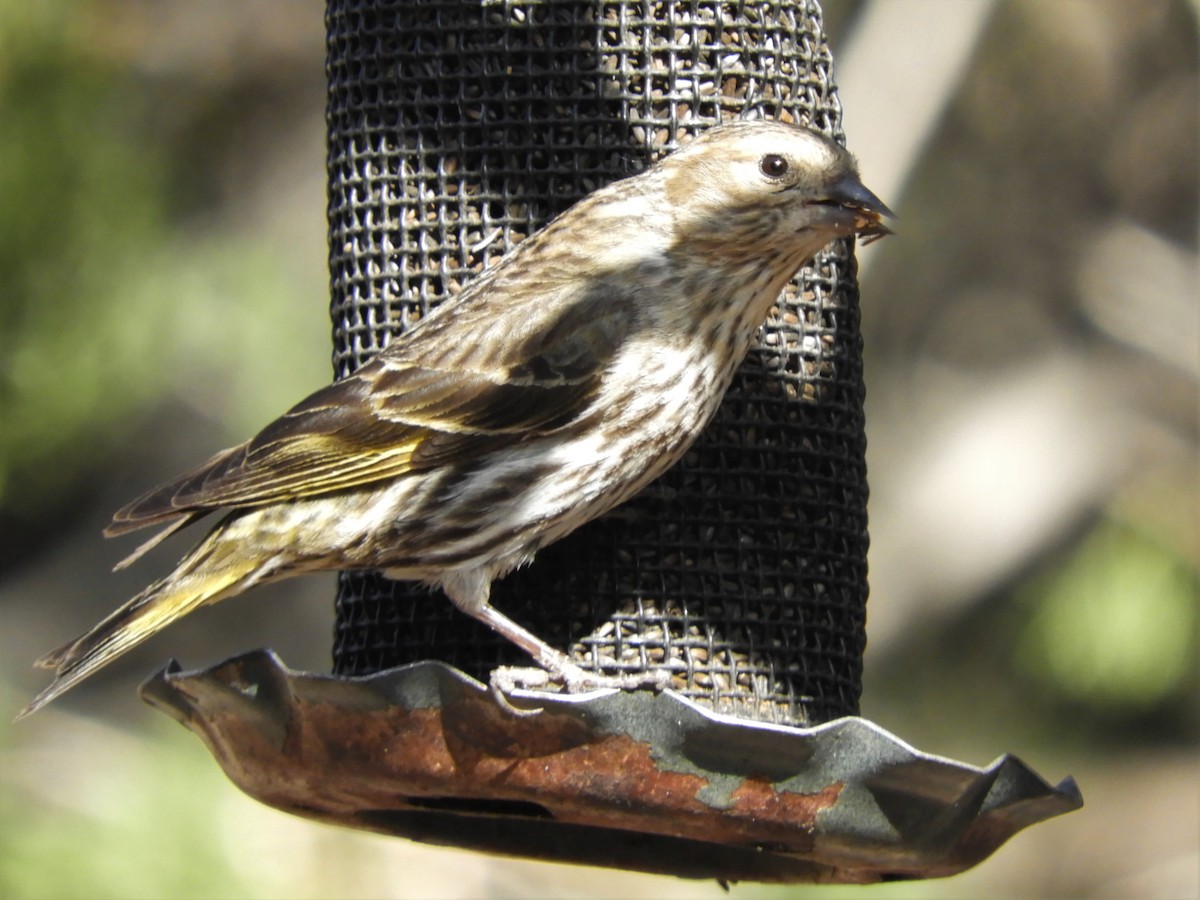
457, 128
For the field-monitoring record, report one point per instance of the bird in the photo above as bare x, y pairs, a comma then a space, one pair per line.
557, 384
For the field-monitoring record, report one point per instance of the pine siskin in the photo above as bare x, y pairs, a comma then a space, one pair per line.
554, 387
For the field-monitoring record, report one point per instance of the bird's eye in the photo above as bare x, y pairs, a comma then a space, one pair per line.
773, 165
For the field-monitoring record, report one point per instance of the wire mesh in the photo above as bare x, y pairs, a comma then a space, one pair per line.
459, 127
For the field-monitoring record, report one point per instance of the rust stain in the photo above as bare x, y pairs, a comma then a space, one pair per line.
337, 764
758, 798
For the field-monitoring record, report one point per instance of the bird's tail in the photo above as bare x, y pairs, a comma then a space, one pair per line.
213, 571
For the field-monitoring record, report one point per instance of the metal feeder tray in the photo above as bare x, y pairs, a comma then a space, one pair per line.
636, 780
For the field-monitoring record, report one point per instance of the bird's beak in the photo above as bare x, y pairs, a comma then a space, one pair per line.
866, 210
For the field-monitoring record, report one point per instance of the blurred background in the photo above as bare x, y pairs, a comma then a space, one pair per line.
1033, 362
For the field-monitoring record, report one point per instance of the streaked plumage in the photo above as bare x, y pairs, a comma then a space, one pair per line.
557, 385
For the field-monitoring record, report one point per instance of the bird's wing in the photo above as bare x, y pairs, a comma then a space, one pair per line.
438, 399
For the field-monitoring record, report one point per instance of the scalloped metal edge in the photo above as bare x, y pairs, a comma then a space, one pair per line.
640, 780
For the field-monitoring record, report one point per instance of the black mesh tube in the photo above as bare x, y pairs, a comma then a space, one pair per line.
457, 128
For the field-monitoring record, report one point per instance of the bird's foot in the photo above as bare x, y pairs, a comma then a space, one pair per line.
567, 677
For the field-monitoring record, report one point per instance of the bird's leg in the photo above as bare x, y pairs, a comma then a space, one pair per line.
469, 593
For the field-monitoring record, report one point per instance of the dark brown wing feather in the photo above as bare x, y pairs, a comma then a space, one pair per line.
402, 414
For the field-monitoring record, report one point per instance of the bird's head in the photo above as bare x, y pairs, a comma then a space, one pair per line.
763, 187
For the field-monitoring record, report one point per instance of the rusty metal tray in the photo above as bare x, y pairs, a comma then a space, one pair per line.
636, 780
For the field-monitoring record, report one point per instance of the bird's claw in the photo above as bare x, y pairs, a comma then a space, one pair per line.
569, 678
